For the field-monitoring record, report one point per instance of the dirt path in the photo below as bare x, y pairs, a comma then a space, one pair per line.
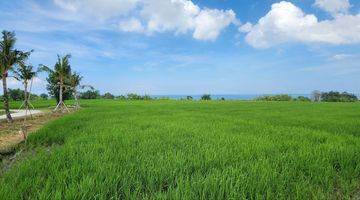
11, 134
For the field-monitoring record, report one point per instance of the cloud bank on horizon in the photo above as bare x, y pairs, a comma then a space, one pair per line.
285, 22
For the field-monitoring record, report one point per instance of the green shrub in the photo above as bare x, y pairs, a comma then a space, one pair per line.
334, 96
206, 97
133, 96
90, 94
280, 97
302, 98
108, 95
44, 96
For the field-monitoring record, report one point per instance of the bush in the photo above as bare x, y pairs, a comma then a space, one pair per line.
280, 97
44, 96
133, 96
121, 97
90, 94
334, 96
206, 97
16, 94
108, 95
189, 98
302, 98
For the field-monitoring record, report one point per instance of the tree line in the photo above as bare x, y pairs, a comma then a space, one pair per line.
19, 95
316, 96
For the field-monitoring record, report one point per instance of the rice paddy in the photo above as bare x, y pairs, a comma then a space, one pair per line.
192, 150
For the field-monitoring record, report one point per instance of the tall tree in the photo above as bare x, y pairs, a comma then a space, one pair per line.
9, 57
61, 74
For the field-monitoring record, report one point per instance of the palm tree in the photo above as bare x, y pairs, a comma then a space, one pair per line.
9, 57
26, 73
74, 81
62, 72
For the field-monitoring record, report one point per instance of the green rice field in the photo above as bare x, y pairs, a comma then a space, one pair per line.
192, 150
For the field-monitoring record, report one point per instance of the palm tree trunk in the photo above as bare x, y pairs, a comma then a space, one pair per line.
61, 94
6, 98
76, 99
26, 101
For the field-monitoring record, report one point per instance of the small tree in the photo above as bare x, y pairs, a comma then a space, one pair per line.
26, 73
108, 95
54, 89
74, 83
206, 97
90, 94
44, 96
61, 73
16, 94
316, 96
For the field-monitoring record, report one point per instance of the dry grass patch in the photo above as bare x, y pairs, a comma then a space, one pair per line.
12, 134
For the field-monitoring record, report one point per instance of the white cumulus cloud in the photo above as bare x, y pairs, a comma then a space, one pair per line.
210, 22
287, 23
102, 9
131, 25
333, 6
156, 16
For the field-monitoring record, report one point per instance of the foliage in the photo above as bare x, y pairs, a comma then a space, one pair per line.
302, 98
25, 73
54, 89
90, 94
132, 96
108, 95
189, 98
334, 96
121, 97
192, 150
206, 97
44, 96
316, 96
280, 97
9, 56
75, 80
18, 95
59, 77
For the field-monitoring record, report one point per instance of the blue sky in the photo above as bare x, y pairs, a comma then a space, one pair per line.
194, 47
